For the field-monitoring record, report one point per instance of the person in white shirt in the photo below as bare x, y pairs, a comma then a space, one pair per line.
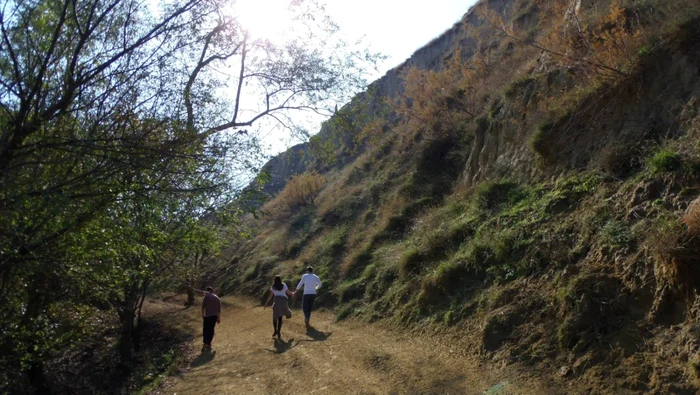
311, 283
280, 307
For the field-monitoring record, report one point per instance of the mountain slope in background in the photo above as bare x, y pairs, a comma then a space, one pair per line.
526, 182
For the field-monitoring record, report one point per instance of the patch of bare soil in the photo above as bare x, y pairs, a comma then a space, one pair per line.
330, 357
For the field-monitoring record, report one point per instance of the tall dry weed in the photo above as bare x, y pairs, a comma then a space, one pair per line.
301, 191
604, 42
440, 103
675, 246
691, 218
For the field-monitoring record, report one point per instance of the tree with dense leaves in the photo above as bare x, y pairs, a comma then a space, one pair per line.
114, 129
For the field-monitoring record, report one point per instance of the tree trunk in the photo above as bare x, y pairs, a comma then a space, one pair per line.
127, 312
141, 299
127, 335
190, 296
36, 302
37, 378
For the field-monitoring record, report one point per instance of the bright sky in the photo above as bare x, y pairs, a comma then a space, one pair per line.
395, 28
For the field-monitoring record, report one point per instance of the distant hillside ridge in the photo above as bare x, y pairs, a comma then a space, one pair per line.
301, 157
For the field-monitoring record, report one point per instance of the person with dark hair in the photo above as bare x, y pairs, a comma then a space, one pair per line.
311, 283
211, 315
280, 307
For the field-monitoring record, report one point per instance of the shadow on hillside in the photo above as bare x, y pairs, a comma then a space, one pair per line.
282, 346
206, 356
317, 335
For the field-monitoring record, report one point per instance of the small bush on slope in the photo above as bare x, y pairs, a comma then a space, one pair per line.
664, 161
441, 104
301, 191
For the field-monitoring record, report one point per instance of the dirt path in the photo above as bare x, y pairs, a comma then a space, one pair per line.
330, 358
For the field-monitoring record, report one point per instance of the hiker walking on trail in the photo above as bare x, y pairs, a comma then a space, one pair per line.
311, 283
280, 307
211, 315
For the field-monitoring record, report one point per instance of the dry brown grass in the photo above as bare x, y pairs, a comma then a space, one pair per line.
361, 238
675, 246
439, 103
359, 255
616, 158
691, 218
302, 190
328, 200
347, 183
312, 250
270, 241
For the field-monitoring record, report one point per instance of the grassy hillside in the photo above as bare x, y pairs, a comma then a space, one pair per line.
534, 196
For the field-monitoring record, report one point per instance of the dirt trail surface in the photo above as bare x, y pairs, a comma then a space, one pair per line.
329, 358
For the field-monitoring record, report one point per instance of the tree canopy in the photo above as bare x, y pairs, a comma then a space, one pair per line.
120, 133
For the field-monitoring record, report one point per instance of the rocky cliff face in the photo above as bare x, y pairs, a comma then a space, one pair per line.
610, 122
301, 157
282, 167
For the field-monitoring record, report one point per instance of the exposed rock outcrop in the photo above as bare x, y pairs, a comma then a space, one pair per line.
301, 157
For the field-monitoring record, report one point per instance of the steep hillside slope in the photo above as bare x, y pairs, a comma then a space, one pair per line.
527, 184
336, 136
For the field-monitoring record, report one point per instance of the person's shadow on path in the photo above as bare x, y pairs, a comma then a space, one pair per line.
317, 335
206, 356
282, 346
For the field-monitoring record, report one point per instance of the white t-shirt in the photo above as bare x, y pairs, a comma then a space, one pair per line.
310, 282
283, 292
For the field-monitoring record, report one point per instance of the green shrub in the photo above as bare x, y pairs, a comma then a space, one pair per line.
300, 220
694, 366
540, 141
351, 290
493, 111
447, 276
519, 85
357, 260
664, 161
494, 194
692, 169
369, 216
481, 122
410, 261
591, 304
617, 158
344, 210
439, 165
507, 249
566, 334
379, 280
476, 254
448, 318
617, 233
333, 243
344, 311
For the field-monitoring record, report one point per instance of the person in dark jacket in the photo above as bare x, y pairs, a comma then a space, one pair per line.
211, 315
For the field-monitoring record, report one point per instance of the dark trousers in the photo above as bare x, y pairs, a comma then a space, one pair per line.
277, 324
307, 304
208, 330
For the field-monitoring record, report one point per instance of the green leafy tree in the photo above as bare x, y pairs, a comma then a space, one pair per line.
109, 115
